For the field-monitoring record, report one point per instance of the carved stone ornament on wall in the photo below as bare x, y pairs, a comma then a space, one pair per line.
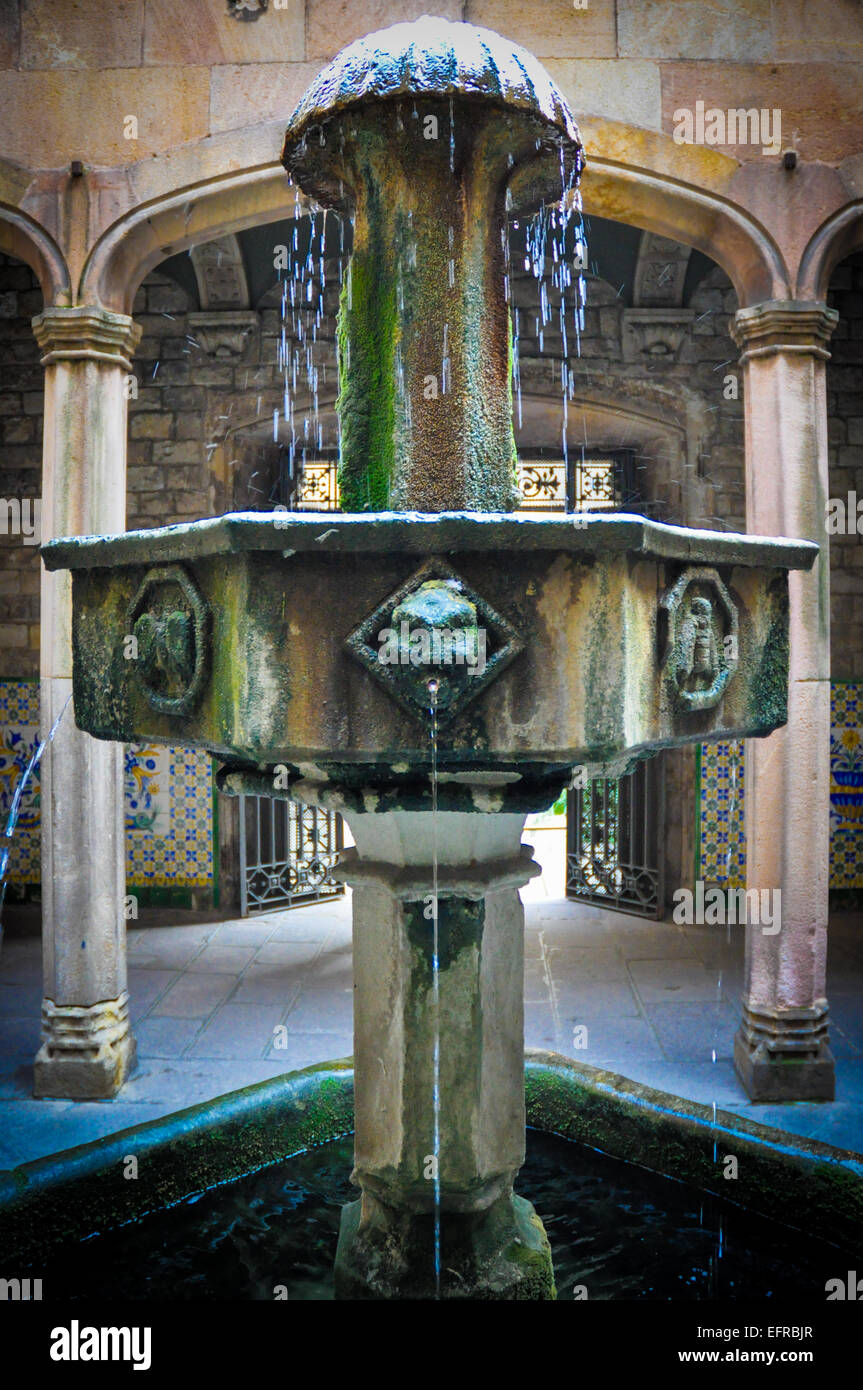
223, 332
170, 621
246, 9
655, 334
702, 644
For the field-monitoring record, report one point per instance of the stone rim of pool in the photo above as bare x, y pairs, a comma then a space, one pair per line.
70, 1195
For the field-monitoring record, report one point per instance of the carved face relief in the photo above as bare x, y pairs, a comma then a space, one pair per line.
434, 629
169, 620
701, 653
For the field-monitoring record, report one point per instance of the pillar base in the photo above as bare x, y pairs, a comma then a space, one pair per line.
783, 1054
499, 1253
87, 1052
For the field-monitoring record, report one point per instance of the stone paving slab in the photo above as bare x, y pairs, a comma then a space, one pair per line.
166, 1037
692, 1032
578, 1000
146, 988
194, 996
674, 980
218, 959
239, 1031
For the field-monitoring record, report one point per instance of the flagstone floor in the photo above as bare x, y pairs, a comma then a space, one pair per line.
656, 1002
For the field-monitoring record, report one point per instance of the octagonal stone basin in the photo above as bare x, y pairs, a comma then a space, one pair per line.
256, 636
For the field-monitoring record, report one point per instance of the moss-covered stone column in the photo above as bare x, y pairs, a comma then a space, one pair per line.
87, 1049
781, 1051
425, 404
438, 1063
426, 395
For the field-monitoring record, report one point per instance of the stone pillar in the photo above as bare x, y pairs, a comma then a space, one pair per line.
781, 1051
492, 1244
87, 1049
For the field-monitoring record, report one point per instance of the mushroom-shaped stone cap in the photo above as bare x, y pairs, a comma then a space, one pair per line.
432, 57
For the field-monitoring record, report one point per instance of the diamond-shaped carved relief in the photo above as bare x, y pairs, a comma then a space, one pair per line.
701, 652
434, 642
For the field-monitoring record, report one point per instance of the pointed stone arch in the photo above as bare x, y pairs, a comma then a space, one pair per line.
22, 236
837, 237
667, 199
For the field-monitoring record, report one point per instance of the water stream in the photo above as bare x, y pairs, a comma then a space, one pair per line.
433, 694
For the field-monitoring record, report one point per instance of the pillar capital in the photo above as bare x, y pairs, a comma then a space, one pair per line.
411, 883
86, 332
784, 325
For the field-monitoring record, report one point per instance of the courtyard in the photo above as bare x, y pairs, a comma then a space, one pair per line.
430, 553
659, 1004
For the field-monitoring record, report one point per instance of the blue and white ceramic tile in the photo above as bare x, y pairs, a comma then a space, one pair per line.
169, 802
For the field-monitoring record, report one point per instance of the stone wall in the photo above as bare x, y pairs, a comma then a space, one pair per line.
668, 407
187, 70
845, 426
20, 468
168, 478
201, 436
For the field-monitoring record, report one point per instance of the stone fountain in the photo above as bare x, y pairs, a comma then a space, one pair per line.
427, 662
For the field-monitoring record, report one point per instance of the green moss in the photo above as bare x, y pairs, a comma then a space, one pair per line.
374, 316
366, 402
460, 926
66, 1196
770, 686
779, 1177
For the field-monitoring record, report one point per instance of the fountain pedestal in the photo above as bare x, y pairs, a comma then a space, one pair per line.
492, 1243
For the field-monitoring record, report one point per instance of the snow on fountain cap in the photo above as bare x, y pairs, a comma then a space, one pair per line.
432, 57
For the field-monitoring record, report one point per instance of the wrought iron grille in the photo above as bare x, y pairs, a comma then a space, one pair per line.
318, 488
615, 841
542, 485
601, 481
287, 854
595, 483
